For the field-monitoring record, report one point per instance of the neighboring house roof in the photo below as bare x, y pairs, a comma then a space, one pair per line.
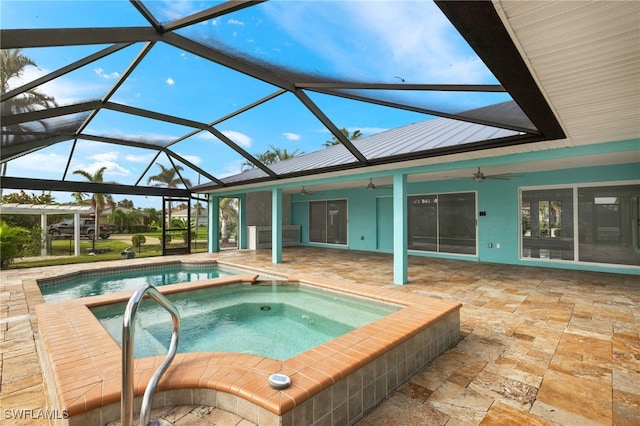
183, 212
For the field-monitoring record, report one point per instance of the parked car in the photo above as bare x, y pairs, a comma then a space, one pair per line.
87, 228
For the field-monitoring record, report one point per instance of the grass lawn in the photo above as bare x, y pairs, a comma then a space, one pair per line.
113, 249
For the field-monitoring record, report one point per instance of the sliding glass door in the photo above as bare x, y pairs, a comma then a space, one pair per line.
608, 224
547, 224
604, 219
444, 223
328, 222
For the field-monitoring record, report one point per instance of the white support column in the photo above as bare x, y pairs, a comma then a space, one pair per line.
276, 225
76, 234
43, 231
400, 251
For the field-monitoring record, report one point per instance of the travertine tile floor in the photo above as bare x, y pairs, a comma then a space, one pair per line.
540, 346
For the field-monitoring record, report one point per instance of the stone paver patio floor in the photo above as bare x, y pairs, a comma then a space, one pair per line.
539, 346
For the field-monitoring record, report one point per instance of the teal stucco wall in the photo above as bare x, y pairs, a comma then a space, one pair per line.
498, 198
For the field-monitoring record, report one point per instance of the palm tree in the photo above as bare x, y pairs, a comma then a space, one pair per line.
13, 64
98, 200
127, 204
118, 217
228, 213
133, 217
271, 156
357, 134
169, 178
150, 216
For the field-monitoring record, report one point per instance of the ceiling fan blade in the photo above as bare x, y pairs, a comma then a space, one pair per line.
504, 176
479, 176
305, 192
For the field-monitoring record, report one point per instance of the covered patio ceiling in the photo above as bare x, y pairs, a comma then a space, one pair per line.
299, 88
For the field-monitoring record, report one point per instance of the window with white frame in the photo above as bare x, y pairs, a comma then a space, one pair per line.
604, 219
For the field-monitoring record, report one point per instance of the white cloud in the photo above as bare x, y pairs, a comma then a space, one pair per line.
291, 136
193, 159
172, 10
105, 156
41, 162
152, 138
107, 76
27, 75
205, 135
144, 158
239, 138
63, 89
412, 40
170, 81
231, 168
235, 22
370, 130
112, 169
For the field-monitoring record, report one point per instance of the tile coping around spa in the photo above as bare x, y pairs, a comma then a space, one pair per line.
84, 361
44, 282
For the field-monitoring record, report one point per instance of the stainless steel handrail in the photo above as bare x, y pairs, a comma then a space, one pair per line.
128, 330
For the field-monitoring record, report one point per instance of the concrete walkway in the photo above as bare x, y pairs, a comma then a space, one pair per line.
540, 346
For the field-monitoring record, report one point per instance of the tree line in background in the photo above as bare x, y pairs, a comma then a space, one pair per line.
122, 214
274, 154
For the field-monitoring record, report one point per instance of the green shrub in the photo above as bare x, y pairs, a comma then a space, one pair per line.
137, 229
138, 240
12, 242
544, 229
34, 245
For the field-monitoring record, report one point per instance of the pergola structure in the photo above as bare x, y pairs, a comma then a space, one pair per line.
46, 209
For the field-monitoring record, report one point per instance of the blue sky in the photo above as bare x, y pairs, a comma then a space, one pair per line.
373, 41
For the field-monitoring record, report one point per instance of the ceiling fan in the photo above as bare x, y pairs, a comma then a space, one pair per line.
479, 176
372, 186
304, 191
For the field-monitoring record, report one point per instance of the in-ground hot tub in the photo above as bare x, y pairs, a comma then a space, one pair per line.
336, 382
274, 319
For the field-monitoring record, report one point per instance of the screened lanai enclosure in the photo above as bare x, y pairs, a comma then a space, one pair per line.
205, 88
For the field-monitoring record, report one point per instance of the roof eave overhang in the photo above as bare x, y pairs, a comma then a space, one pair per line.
396, 160
480, 25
